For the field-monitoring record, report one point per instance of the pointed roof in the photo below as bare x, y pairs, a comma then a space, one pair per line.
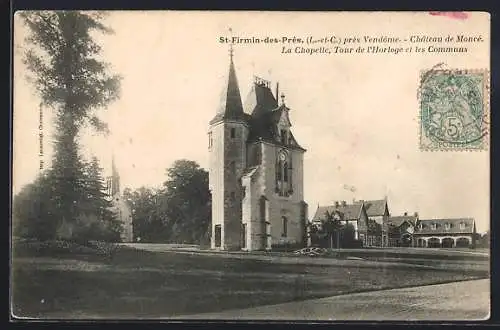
350, 211
374, 207
115, 177
114, 171
266, 114
397, 221
260, 99
230, 106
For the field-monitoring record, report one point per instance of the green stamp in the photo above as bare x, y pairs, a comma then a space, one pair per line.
454, 108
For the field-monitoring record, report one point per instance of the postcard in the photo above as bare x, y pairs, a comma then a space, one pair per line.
232, 165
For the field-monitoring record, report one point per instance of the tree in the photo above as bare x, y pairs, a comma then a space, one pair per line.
149, 221
179, 212
65, 70
186, 201
332, 226
97, 205
33, 210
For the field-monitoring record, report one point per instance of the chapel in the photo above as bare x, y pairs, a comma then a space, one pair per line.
256, 173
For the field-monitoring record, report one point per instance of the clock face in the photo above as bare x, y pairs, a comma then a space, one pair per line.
282, 157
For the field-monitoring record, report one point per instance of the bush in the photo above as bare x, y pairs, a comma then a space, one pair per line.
54, 248
49, 248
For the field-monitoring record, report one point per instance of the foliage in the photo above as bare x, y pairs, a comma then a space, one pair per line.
374, 228
33, 210
149, 222
180, 212
187, 201
329, 232
332, 226
65, 69
103, 224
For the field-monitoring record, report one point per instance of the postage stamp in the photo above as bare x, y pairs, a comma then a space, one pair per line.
454, 110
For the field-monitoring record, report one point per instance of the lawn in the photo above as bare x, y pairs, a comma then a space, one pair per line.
128, 283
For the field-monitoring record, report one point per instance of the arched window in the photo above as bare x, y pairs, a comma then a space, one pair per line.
279, 172
285, 171
263, 209
283, 174
285, 226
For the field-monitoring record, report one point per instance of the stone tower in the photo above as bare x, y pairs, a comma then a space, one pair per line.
228, 132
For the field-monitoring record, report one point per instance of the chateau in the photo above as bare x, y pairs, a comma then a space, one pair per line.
256, 171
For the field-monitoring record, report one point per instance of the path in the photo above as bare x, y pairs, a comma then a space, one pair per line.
468, 300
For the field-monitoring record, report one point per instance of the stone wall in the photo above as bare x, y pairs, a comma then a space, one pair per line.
227, 163
216, 180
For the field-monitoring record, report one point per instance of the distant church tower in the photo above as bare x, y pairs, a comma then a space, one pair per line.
256, 171
119, 205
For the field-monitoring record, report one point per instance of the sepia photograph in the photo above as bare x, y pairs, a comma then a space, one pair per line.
250, 165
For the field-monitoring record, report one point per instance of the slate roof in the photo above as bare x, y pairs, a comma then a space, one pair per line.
263, 127
230, 102
454, 226
261, 111
399, 220
374, 208
350, 211
260, 100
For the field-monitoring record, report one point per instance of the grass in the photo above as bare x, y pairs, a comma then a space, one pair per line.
127, 283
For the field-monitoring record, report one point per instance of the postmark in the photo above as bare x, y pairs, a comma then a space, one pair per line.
454, 110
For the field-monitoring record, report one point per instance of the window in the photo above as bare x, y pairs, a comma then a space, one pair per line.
244, 236
433, 226
285, 172
233, 133
447, 226
210, 141
233, 195
283, 175
218, 235
283, 136
232, 167
263, 209
462, 225
285, 227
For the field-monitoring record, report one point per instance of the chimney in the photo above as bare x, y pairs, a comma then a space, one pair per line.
336, 203
406, 214
344, 203
415, 214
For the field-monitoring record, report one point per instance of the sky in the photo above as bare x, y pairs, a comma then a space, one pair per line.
356, 114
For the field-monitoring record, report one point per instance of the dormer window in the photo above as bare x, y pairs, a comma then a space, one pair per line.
284, 136
433, 226
462, 225
447, 226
